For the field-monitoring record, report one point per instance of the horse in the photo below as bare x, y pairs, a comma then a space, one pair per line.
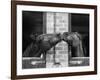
41, 44
74, 40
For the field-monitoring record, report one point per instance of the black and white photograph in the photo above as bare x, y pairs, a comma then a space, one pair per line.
53, 39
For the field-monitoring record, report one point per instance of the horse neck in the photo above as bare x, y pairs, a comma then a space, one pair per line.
79, 50
56, 42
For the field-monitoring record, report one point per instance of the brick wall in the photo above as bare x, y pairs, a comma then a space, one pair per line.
55, 23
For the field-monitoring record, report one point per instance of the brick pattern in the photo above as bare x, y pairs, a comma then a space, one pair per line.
50, 22
59, 21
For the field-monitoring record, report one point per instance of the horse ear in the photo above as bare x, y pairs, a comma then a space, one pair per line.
33, 37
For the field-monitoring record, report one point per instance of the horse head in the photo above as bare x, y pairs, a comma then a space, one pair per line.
72, 38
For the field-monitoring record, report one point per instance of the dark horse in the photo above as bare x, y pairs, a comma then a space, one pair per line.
74, 40
41, 44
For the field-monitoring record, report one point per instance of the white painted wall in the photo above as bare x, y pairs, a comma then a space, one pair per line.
5, 40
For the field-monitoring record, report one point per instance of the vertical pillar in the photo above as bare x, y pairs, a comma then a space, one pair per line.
62, 47
57, 22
